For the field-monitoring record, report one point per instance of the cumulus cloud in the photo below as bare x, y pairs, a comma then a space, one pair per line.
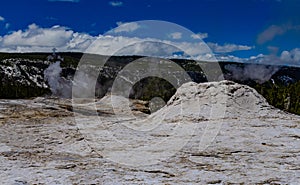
126, 27
108, 45
121, 45
291, 57
176, 35
38, 39
227, 48
80, 42
2, 18
285, 58
116, 3
199, 36
230, 58
35, 38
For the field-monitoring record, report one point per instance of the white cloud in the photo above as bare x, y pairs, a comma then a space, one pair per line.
37, 39
292, 57
36, 36
285, 56
199, 36
2, 18
176, 35
7, 25
119, 23
126, 27
194, 49
80, 42
108, 45
227, 48
73, 1
120, 45
230, 58
116, 3
256, 57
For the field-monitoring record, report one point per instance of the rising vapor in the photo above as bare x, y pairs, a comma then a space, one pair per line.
59, 86
256, 72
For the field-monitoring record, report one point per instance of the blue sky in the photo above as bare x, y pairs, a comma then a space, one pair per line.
267, 27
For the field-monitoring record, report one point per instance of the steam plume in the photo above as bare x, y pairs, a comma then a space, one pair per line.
258, 73
59, 86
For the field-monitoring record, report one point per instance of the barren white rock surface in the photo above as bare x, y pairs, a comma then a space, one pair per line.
211, 133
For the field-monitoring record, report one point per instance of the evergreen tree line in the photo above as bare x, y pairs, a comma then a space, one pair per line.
283, 97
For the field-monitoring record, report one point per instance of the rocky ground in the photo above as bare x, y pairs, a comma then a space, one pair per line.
211, 133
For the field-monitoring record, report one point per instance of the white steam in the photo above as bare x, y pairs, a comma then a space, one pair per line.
62, 87
59, 86
258, 73
86, 83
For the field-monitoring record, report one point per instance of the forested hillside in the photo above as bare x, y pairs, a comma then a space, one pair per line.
22, 76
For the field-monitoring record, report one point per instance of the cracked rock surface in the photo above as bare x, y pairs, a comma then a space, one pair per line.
210, 133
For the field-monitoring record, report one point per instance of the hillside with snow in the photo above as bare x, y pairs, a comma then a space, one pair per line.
23, 76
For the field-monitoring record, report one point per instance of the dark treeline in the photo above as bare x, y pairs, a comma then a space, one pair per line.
283, 97
16, 91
